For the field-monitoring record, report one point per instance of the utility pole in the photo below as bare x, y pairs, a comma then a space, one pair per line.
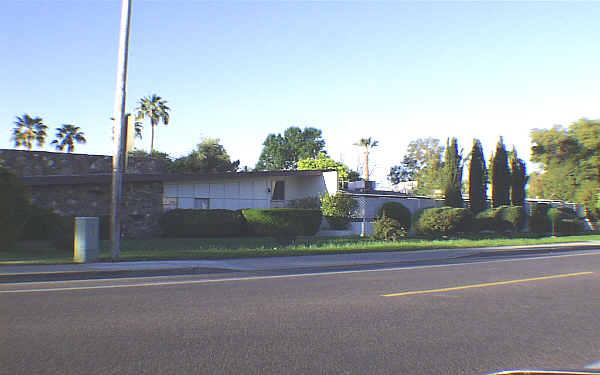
118, 124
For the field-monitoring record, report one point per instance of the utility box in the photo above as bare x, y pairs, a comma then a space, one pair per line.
87, 239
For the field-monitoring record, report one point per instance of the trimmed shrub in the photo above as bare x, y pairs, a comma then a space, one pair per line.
309, 203
337, 209
388, 229
284, 224
559, 214
64, 235
396, 211
41, 224
501, 219
443, 221
202, 223
539, 223
570, 227
14, 208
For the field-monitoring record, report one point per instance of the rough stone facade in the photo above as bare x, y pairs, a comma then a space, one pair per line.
42, 163
141, 201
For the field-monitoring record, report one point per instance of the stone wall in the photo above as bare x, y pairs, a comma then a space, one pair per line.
141, 203
43, 163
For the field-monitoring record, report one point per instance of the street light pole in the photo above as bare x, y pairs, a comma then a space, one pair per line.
119, 114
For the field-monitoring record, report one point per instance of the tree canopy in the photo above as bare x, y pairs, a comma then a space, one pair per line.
422, 162
519, 178
453, 170
208, 157
368, 144
324, 162
282, 152
478, 179
500, 175
29, 130
66, 136
155, 108
570, 162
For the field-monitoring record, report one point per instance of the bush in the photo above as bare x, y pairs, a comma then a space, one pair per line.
14, 208
308, 203
41, 224
64, 235
284, 224
396, 211
570, 227
539, 223
443, 221
388, 229
337, 209
202, 223
501, 219
558, 215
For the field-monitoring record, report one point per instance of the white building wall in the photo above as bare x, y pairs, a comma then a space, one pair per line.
235, 194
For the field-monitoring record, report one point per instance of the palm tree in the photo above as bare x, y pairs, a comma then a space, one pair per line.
368, 144
155, 108
66, 136
28, 130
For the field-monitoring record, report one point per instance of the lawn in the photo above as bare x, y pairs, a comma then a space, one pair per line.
40, 252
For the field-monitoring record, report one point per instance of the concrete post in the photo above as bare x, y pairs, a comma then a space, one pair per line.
87, 239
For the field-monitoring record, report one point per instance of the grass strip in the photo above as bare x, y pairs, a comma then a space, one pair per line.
252, 247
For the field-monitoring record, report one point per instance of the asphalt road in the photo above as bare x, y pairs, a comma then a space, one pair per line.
546, 316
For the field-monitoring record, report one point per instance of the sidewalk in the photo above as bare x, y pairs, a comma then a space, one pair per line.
22, 273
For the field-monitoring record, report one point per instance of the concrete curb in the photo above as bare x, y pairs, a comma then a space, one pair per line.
299, 264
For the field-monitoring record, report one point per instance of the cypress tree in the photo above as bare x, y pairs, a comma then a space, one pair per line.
518, 179
477, 179
453, 175
500, 177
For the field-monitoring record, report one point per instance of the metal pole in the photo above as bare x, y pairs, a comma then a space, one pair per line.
119, 112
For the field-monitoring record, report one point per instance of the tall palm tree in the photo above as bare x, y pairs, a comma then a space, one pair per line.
28, 130
155, 108
66, 136
368, 144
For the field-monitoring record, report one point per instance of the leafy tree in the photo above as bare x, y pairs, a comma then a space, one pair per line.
518, 173
66, 136
324, 162
453, 169
478, 179
570, 162
368, 144
155, 108
500, 177
208, 157
28, 130
282, 152
422, 163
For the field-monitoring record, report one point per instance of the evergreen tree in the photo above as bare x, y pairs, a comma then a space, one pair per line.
453, 169
477, 178
500, 177
518, 179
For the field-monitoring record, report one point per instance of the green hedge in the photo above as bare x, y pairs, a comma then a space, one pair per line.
539, 222
396, 211
564, 221
202, 223
285, 224
388, 229
501, 219
14, 208
443, 221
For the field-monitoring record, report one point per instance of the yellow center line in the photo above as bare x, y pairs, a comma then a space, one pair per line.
486, 284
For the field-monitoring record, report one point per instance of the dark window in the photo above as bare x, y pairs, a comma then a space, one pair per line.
279, 191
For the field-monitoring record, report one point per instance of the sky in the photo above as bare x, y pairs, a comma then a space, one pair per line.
392, 70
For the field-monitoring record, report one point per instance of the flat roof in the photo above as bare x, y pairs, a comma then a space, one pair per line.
130, 177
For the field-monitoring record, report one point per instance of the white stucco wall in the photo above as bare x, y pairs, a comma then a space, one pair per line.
234, 194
